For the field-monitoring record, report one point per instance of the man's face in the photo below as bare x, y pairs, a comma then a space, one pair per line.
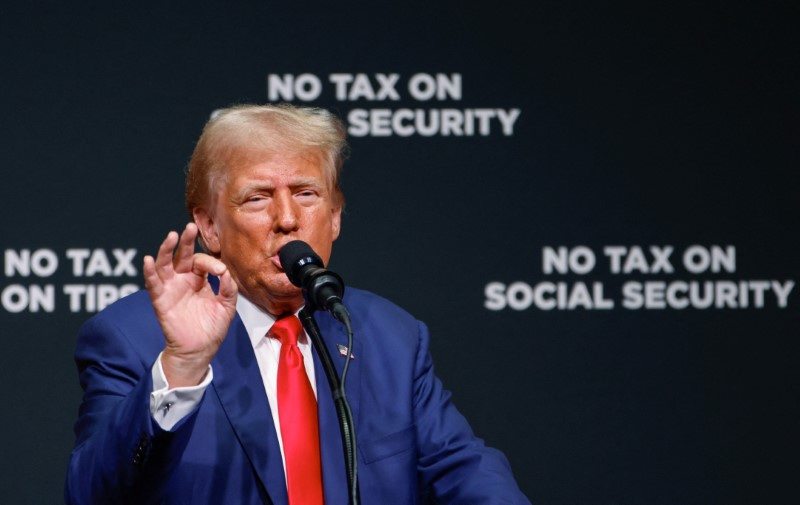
260, 206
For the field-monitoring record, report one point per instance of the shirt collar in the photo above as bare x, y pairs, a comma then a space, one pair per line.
256, 321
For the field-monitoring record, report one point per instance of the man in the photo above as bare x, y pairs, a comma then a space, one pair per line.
188, 398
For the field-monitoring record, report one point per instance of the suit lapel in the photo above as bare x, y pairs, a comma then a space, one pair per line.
238, 384
334, 476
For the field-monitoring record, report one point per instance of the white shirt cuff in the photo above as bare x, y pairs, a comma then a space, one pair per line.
169, 406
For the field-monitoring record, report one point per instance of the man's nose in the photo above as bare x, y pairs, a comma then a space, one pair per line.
285, 212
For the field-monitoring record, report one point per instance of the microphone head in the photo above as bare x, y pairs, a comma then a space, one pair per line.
294, 256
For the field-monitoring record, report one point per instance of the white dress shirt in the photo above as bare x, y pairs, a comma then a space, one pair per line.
169, 406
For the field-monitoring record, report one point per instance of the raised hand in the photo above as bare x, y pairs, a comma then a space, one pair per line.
193, 318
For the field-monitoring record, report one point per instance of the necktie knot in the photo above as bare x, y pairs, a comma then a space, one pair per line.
287, 330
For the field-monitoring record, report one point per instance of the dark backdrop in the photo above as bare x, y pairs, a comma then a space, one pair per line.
663, 124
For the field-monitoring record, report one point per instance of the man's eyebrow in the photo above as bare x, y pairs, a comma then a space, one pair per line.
307, 181
254, 186
302, 182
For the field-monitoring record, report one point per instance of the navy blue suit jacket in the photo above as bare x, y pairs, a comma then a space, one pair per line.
414, 446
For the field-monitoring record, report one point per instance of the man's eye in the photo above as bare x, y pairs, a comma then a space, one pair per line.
255, 201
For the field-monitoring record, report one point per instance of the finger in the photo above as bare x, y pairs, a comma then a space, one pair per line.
183, 255
149, 270
227, 291
152, 282
163, 262
203, 264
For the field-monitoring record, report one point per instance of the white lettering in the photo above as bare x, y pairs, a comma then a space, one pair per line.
17, 298
782, 292
494, 296
507, 120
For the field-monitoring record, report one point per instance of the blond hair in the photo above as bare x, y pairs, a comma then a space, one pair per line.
244, 133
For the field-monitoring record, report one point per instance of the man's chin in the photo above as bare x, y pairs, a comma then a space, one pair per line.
281, 294
280, 287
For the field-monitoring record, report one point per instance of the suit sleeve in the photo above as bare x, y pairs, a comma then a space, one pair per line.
453, 464
121, 455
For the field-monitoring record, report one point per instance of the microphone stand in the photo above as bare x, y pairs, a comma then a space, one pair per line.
343, 411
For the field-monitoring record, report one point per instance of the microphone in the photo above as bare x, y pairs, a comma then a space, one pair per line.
322, 288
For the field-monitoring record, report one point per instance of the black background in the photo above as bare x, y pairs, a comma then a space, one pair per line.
646, 123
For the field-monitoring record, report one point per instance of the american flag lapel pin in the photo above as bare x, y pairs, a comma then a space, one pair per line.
343, 350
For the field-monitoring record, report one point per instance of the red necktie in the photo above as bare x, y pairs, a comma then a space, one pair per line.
297, 411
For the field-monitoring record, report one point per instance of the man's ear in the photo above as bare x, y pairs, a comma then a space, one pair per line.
336, 222
208, 231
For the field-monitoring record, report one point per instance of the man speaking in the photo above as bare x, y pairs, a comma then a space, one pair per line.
206, 390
